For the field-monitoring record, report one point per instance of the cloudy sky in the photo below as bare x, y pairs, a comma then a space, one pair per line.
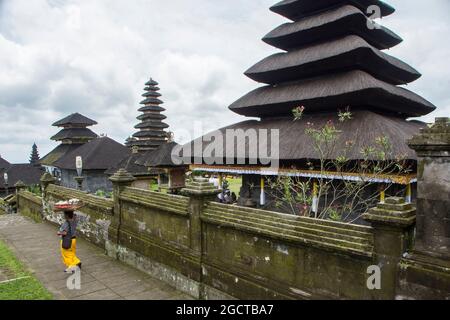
94, 56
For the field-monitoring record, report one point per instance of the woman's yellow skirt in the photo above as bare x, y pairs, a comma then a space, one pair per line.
69, 256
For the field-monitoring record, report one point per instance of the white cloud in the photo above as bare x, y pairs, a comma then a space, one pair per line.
93, 57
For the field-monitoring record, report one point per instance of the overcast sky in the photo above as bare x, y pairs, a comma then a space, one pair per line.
94, 56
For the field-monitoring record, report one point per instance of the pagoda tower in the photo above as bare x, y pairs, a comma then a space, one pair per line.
34, 157
332, 59
74, 129
151, 132
74, 133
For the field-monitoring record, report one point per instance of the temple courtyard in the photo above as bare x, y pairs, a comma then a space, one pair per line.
103, 278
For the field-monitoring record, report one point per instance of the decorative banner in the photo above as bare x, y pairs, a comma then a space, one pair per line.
346, 176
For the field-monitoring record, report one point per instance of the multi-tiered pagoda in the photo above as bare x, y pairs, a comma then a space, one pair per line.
151, 132
74, 133
150, 137
331, 60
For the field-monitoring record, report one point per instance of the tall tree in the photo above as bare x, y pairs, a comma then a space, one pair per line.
34, 158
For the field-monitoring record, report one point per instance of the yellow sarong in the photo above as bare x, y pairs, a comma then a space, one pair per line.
69, 256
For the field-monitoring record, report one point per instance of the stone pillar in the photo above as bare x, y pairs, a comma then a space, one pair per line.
199, 191
425, 271
79, 181
393, 223
46, 180
47, 209
120, 180
432, 146
250, 192
19, 187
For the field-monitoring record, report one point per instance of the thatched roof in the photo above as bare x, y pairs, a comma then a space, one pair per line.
151, 124
151, 88
355, 89
297, 9
295, 144
153, 94
75, 119
159, 158
331, 24
151, 82
27, 173
99, 154
151, 109
345, 53
152, 101
57, 153
148, 143
130, 165
3, 163
152, 116
150, 133
74, 133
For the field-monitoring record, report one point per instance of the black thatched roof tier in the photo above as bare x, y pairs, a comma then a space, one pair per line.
355, 89
153, 94
74, 134
343, 54
151, 88
294, 144
331, 24
151, 101
152, 116
75, 119
130, 165
151, 82
3, 163
58, 153
27, 173
159, 158
99, 154
150, 134
152, 124
152, 108
149, 143
297, 9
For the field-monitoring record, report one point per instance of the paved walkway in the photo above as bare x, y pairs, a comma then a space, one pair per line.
102, 278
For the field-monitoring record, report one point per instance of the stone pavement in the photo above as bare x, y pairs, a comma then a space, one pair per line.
102, 277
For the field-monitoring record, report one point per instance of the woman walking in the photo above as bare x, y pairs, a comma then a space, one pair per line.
68, 233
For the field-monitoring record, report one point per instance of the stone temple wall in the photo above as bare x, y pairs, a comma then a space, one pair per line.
216, 251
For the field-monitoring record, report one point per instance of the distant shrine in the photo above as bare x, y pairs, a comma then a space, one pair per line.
73, 134
28, 174
331, 60
97, 153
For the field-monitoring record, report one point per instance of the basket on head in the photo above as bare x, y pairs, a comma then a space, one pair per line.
67, 206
